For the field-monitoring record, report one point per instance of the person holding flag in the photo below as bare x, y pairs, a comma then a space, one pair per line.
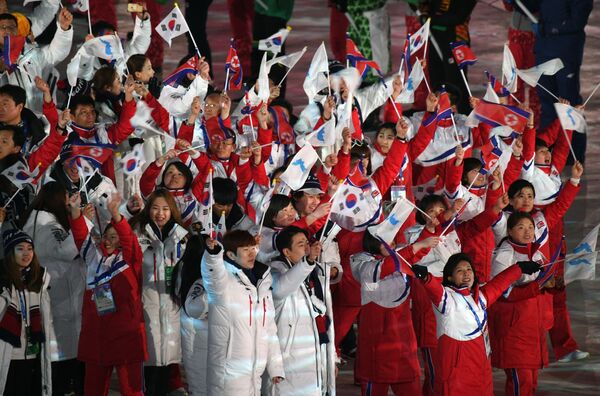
469, 371
542, 168
449, 23
384, 323
32, 60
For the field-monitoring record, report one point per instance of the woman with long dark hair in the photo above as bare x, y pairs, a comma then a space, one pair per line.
163, 240
25, 319
47, 222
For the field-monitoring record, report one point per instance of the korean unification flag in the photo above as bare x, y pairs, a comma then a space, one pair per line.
106, 47
323, 135
412, 83
389, 227
288, 61
172, 26
581, 264
509, 70
316, 78
570, 118
531, 76
298, 170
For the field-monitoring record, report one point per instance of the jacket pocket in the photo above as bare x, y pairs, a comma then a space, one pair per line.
229, 344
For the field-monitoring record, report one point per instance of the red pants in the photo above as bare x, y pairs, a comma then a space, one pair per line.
343, 318
97, 379
428, 358
241, 14
401, 388
521, 46
520, 382
338, 26
561, 335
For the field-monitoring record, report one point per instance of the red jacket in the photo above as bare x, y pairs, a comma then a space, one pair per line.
119, 337
462, 366
385, 332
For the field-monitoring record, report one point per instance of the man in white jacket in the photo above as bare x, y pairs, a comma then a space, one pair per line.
35, 60
41, 16
303, 321
242, 335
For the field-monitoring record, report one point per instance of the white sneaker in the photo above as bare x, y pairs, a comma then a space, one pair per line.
575, 355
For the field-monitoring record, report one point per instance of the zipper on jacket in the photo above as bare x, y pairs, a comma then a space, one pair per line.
264, 310
155, 274
250, 310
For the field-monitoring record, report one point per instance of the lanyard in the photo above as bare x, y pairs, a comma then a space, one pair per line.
479, 324
23, 304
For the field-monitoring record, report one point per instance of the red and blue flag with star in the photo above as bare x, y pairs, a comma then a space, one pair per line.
356, 59
190, 66
13, 46
497, 86
463, 55
233, 68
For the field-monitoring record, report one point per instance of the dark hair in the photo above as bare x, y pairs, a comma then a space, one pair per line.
11, 273
81, 100
136, 63
10, 16
18, 136
143, 218
281, 102
515, 217
184, 169
517, 186
16, 93
225, 191
232, 240
359, 151
104, 77
540, 143
51, 199
283, 240
99, 28
386, 125
371, 244
278, 203
426, 203
453, 261
189, 267
469, 164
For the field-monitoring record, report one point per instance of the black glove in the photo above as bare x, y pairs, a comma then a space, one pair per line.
529, 267
420, 271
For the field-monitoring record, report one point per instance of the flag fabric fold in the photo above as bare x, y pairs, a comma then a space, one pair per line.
570, 118
316, 77
173, 25
463, 55
176, 77
509, 70
298, 170
274, 42
501, 115
13, 46
419, 38
106, 47
233, 69
356, 59
19, 174
581, 264
411, 84
389, 227
134, 161
532, 76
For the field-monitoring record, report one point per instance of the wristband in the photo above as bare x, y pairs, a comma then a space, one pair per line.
575, 180
402, 139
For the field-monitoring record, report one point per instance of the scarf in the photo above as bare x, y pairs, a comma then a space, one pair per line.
17, 312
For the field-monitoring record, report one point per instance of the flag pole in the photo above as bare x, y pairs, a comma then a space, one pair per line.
550, 93
455, 215
526, 12
328, 216
11, 198
188, 30
425, 79
427, 42
89, 18
455, 129
210, 204
69, 98
226, 87
592, 94
570, 145
462, 73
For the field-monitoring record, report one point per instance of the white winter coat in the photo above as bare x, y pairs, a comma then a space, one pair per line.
305, 360
161, 313
39, 61
57, 252
194, 338
6, 348
242, 334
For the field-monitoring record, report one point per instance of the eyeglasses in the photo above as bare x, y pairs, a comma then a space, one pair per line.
8, 28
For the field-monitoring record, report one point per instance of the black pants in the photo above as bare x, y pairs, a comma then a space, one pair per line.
445, 72
68, 377
156, 380
196, 15
24, 378
263, 27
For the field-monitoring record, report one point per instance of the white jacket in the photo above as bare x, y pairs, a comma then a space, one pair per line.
194, 338
161, 313
57, 252
42, 15
6, 348
178, 100
388, 292
39, 61
242, 334
140, 41
304, 358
